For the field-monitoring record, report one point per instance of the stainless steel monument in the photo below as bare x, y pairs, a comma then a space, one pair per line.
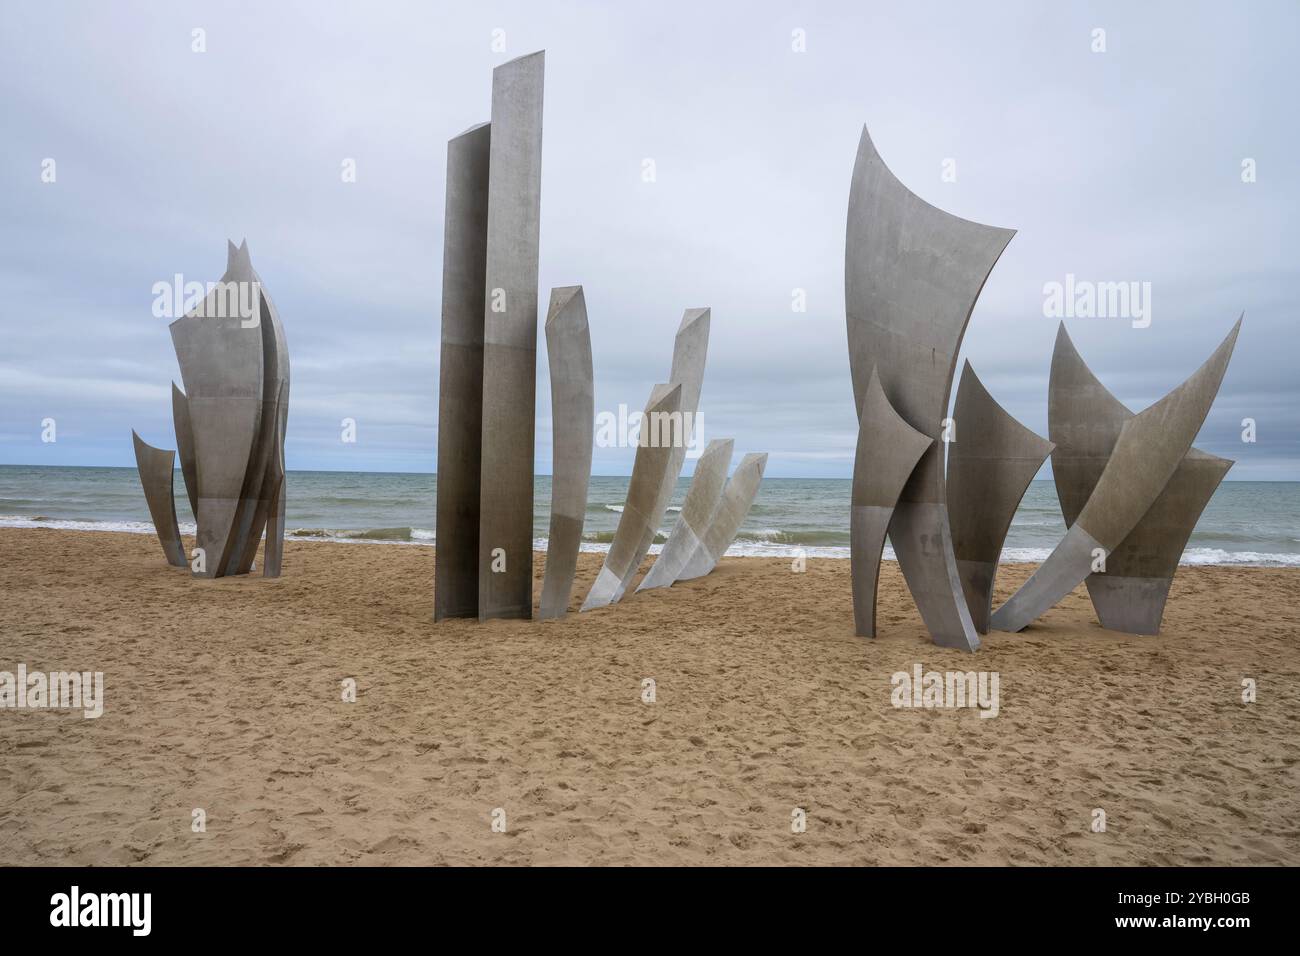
1085, 421
696, 515
488, 378
1131, 486
573, 409
230, 423
653, 459
992, 458
878, 480
505, 545
690, 349
1145, 455
912, 273
737, 498
460, 377
156, 467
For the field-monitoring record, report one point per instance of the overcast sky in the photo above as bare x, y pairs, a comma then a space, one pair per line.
1123, 165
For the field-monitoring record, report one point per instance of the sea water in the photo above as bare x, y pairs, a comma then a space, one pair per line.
1246, 523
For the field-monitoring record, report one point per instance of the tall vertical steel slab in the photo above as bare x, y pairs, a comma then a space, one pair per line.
887, 453
912, 275
510, 341
990, 465
653, 459
1085, 420
460, 375
737, 499
573, 411
690, 349
1145, 456
155, 466
697, 512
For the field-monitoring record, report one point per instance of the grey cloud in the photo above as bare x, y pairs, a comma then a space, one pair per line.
1114, 166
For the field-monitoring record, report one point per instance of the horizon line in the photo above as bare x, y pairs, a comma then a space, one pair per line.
433, 474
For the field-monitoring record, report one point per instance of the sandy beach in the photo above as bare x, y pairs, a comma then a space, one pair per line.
226, 696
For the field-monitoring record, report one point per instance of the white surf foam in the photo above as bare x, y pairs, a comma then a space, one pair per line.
756, 546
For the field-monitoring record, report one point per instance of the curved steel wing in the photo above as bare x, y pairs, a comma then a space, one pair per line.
737, 498
155, 466
185, 447
690, 348
1085, 420
697, 512
912, 274
887, 453
653, 459
990, 465
1145, 457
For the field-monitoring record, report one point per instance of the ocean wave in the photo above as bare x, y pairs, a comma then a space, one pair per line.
1242, 558
1262, 536
355, 534
820, 539
76, 524
607, 537
1025, 555
757, 548
363, 501
765, 542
